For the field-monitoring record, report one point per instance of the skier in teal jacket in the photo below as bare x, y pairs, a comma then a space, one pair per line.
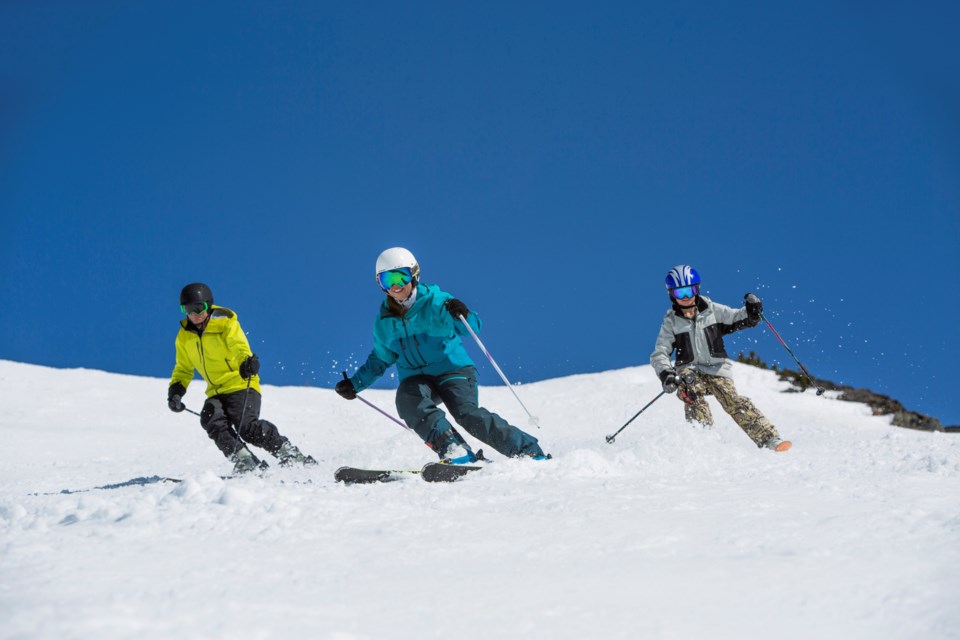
418, 328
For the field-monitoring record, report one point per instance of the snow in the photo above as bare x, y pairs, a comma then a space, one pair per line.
670, 532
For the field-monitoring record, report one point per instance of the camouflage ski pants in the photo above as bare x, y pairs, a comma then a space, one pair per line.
740, 408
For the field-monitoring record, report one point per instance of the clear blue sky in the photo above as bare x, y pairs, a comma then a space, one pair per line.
547, 162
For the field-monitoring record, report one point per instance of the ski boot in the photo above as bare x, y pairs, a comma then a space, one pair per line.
459, 454
245, 462
777, 445
453, 449
289, 455
537, 455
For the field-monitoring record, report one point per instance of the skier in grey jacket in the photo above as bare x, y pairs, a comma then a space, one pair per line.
694, 329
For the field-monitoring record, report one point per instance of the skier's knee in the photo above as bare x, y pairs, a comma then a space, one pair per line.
209, 414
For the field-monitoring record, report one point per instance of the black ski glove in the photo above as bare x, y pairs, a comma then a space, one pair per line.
457, 309
250, 367
174, 396
754, 306
346, 390
668, 378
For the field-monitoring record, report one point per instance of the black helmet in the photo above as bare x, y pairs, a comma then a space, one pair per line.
196, 293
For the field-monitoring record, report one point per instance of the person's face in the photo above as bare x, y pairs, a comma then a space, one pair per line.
399, 293
198, 318
398, 283
196, 312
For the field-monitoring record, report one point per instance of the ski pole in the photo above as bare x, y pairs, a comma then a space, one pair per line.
613, 437
240, 424
237, 433
375, 407
384, 413
820, 389
533, 419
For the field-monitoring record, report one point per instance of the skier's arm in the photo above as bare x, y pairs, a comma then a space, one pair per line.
182, 369
237, 343
733, 319
377, 363
663, 349
443, 320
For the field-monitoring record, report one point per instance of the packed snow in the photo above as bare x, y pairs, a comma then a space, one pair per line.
670, 532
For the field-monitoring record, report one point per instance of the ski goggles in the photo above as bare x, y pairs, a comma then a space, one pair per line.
394, 278
194, 308
685, 292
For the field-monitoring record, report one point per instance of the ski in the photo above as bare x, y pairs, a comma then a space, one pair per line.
133, 482
445, 472
431, 472
353, 475
143, 481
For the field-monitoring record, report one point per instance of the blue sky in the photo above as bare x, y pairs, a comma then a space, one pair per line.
547, 162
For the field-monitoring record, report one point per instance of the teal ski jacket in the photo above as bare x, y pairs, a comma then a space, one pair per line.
425, 340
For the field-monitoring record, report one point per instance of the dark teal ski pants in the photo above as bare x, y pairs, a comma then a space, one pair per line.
417, 400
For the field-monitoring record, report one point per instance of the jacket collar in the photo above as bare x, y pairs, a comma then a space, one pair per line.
701, 306
215, 312
391, 307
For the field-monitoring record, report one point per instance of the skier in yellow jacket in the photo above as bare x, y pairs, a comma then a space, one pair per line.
211, 342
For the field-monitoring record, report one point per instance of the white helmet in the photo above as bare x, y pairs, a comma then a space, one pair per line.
397, 258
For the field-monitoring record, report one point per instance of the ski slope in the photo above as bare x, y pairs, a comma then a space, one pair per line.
671, 532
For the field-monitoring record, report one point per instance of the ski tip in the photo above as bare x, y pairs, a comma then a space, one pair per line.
783, 446
445, 472
342, 475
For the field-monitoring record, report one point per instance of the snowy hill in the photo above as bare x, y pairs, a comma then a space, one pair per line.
671, 532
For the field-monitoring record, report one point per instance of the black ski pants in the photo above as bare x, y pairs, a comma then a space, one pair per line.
221, 415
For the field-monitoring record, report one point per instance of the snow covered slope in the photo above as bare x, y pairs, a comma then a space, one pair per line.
671, 532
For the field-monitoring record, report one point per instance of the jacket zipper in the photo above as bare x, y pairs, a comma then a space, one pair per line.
416, 344
203, 361
697, 336
407, 351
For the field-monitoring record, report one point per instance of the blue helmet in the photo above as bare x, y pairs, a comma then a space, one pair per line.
682, 275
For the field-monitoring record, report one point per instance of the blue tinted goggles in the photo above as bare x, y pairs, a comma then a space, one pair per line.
685, 292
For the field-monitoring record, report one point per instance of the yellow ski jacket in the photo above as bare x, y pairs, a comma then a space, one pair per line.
216, 353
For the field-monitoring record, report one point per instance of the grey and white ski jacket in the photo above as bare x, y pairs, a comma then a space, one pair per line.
698, 341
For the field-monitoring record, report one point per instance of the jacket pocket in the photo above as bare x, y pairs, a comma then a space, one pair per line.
714, 335
684, 348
